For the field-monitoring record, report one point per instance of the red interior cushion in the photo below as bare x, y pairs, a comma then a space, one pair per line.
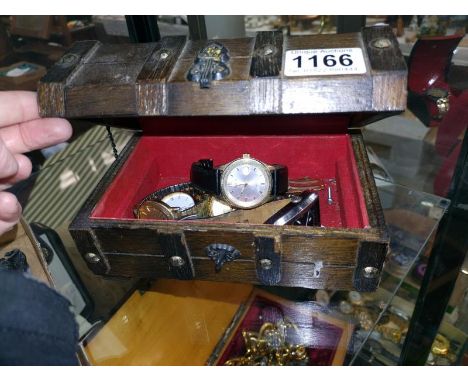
162, 160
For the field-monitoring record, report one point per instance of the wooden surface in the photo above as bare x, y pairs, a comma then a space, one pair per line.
371, 194
174, 323
151, 79
52, 85
267, 56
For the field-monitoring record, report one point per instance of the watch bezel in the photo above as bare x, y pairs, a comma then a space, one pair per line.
164, 199
166, 210
242, 161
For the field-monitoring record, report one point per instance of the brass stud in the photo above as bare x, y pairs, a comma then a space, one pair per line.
92, 258
370, 272
266, 264
381, 43
177, 261
68, 59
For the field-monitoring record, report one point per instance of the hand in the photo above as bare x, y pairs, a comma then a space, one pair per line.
22, 130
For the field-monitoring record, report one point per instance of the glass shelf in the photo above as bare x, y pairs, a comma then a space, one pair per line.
412, 217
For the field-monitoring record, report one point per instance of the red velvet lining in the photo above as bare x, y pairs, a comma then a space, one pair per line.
162, 160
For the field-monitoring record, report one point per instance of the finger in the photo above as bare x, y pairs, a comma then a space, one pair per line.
17, 107
10, 211
36, 134
24, 170
8, 163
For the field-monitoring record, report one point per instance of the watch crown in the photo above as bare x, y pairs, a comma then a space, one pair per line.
246, 156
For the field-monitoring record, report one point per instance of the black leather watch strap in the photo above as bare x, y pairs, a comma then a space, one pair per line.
206, 177
279, 176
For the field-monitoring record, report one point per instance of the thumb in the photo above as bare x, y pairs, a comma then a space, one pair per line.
10, 211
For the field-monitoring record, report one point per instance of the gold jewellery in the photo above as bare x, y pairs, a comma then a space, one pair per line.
271, 346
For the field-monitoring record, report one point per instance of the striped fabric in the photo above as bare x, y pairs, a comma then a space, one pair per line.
68, 177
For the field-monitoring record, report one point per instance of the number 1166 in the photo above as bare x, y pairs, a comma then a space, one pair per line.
329, 60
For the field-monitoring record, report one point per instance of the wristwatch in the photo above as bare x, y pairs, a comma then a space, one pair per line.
152, 209
169, 203
243, 183
179, 202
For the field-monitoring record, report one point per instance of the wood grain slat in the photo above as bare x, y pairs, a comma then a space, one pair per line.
78, 54
237, 47
131, 80
389, 91
223, 97
322, 41
332, 251
388, 69
136, 240
160, 63
268, 54
121, 53
351, 93
51, 88
239, 67
292, 274
150, 84
371, 195
242, 241
385, 58
100, 100
265, 96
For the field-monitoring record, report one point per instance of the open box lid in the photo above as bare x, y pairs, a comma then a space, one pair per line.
270, 74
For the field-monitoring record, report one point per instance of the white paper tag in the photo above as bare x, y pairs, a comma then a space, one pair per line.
17, 72
324, 62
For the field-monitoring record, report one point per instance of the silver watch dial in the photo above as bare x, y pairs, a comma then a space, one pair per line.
246, 183
180, 200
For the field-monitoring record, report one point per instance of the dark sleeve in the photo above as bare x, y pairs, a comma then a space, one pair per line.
36, 324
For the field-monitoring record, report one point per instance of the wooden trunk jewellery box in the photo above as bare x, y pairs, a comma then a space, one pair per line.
247, 168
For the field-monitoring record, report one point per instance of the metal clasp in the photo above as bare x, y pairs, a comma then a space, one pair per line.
221, 254
211, 64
